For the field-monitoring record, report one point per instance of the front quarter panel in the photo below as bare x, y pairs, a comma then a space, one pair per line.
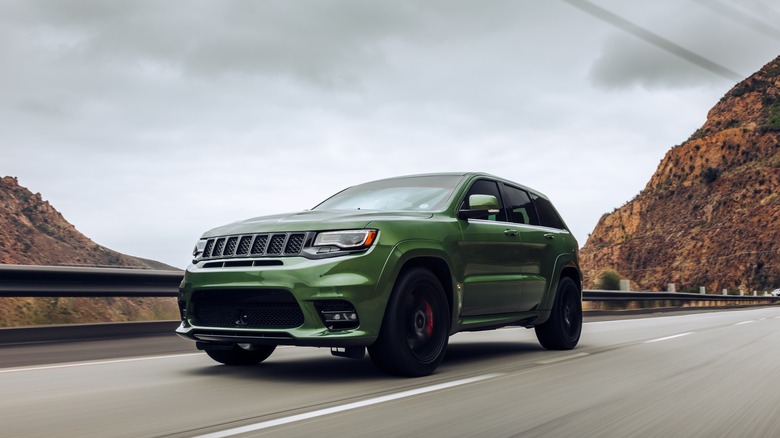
432, 244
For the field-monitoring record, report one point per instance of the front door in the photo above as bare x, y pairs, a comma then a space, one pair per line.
492, 254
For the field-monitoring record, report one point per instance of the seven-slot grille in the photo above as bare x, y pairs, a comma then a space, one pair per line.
255, 245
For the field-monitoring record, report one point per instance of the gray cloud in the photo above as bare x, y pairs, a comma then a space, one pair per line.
680, 46
626, 62
148, 122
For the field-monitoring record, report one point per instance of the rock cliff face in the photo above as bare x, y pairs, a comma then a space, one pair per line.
32, 232
710, 215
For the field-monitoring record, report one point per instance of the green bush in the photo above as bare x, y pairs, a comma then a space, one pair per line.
773, 118
710, 175
608, 280
700, 133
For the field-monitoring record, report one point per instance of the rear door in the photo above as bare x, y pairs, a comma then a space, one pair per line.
535, 254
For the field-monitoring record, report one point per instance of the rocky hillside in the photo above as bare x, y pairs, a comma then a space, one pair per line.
710, 215
32, 232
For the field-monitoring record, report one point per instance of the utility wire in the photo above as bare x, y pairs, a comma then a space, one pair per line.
736, 14
769, 11
654, 39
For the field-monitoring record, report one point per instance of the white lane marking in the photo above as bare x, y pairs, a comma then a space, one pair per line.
668, 337
346, 407
651, 317
562, 358
744, 322
99, 362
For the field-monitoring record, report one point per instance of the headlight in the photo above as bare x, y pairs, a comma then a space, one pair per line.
348, 239
198, 251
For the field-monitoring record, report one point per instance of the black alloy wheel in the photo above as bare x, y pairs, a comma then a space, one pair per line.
562, 330
415, 330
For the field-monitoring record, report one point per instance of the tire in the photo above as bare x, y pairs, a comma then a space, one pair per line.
562, 330
242, 354
415, 330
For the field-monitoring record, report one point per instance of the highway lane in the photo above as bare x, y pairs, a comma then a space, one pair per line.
706, 374
91, 350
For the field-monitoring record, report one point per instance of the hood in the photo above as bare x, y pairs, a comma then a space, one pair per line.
315, 220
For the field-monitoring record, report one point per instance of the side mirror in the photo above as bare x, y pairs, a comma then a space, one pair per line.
480, 205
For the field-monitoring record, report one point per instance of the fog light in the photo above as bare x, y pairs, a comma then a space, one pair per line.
337, 314
331, 316
183, 310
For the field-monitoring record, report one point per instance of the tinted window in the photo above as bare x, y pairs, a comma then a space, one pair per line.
519, 207
548, 217
485, 187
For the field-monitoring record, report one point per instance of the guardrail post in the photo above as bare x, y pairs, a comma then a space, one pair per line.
670, 288
742, 293
702, 290
725, 292
625, 285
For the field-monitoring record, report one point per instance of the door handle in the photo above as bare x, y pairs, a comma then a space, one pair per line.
510, 233
549, 236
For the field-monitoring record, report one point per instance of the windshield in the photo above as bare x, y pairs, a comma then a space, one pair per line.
418, 193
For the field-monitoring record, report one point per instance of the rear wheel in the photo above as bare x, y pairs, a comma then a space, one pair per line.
241, 354
562, 330
415, 330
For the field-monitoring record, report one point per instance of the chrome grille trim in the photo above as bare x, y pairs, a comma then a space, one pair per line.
255, 245
258, 245
276, 245
219, 244
243, 245
230, 246
294, 244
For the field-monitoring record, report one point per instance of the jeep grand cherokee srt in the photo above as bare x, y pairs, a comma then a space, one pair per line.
395, 266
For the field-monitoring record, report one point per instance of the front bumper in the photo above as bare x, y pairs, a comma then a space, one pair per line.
304, 284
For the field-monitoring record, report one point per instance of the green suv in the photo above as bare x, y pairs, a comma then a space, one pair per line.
395, 266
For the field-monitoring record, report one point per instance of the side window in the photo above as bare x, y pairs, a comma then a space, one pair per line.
519, 207
548, 217
485, 187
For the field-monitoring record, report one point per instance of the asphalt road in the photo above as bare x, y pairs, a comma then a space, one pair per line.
706, 374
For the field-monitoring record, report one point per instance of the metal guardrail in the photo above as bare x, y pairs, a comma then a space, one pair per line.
609, 295
70, 281
77, 281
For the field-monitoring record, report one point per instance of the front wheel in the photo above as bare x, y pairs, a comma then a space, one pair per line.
242, 354
562, 330
415, 330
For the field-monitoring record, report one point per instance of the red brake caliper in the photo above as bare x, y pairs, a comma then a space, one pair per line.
428, 319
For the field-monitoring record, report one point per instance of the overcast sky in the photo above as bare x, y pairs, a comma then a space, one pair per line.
145, 123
